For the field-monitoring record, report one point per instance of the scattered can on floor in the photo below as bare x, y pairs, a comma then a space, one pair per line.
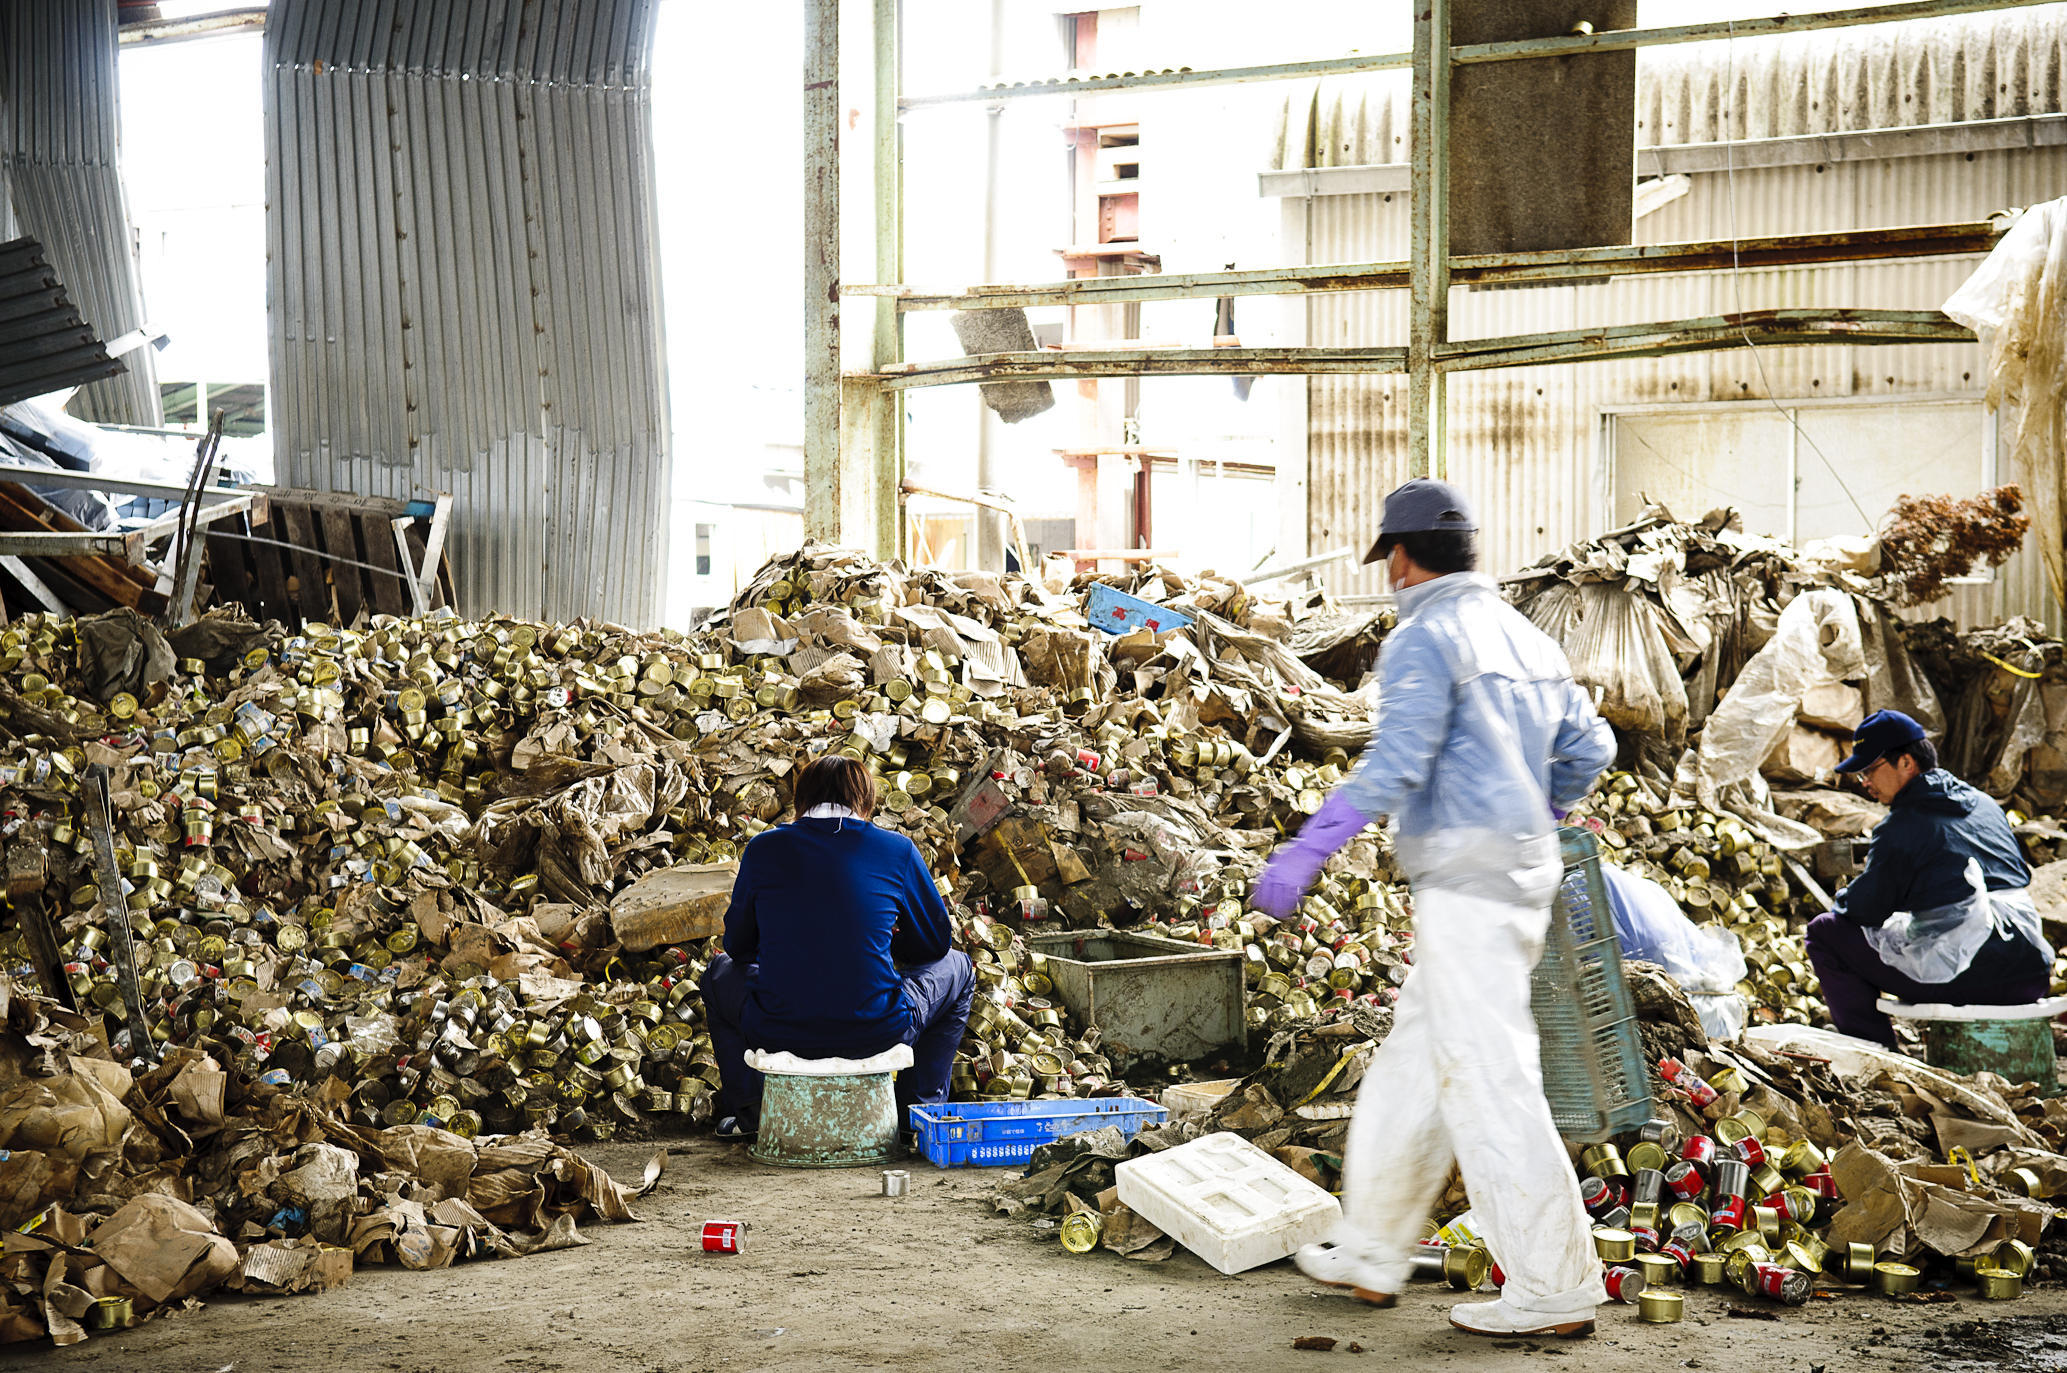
1625, 1284
1896, 1279
724, 1236
1660, 1308
1997, 1284
896, 1182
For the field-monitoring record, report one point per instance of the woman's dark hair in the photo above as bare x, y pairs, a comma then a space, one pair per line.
1925, 753
1441, 551
836, 780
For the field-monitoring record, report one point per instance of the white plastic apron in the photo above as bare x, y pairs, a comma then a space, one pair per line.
1939, 944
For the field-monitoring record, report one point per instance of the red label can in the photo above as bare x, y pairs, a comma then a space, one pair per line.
1624, 1285
1729, 1214
1822, 1184
1680, 1253
1750, 1151
1781, 1284
1699, 1151
1647, 1238
1685, 1180
1598, 1195
724, 1236
1790, 1207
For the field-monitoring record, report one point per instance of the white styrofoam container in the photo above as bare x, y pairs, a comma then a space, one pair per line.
1227, 1201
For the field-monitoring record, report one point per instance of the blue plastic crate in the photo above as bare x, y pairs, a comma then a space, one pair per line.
1115, 612
993, 1134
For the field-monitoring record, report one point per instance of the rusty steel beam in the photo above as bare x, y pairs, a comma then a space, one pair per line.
1576, 264
1761, 327
1144, 362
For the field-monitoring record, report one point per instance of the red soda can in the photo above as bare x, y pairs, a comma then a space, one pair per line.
1749, 1151
1729, 1214
1699, 1151
1088, 760
724, 1236
1624, 1285
1684, 1180
1784, 1285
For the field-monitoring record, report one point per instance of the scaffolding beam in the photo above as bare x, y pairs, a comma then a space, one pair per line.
822, 270
1057, 365
1763, 328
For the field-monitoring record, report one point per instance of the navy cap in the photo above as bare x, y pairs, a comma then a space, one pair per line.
1423, 506
1878, 735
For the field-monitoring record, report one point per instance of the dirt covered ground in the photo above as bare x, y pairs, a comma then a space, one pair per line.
835, 1276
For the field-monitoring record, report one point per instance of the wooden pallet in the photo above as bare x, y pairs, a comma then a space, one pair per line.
86, 584
341, 559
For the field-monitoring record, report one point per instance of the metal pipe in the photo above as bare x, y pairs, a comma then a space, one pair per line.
822, 270
1271, 574
1661, 338
990, 552
1428, 313
1621, 40
155, 31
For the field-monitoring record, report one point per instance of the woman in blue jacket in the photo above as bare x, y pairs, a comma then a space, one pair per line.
837, 945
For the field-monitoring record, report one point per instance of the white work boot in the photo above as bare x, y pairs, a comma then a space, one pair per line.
1338, 1266
1501, 1318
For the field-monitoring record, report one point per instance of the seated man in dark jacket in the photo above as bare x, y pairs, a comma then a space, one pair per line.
1936, 826
837, 945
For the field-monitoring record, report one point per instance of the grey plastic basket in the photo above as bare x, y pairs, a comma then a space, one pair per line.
1593, 1062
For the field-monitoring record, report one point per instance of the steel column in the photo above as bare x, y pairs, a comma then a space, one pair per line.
888, 414
822, 270
1428, 317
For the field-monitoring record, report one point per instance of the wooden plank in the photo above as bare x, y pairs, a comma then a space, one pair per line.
312, 595
269, 577
338, 500
377, 536
227, 570
348, 582
20, 508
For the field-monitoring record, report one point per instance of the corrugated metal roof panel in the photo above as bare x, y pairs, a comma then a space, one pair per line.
466, 288
63, 178
2009, 64
44, 345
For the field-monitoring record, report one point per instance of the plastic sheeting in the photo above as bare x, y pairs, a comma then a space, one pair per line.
1817, 643
1706, 960
2014, 303
1616, 641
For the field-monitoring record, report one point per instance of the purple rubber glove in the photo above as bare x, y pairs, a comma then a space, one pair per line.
1292, 868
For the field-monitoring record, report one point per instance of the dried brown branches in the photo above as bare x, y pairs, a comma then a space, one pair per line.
1928, 539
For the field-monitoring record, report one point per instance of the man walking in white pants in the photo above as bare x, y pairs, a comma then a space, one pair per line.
1482, 738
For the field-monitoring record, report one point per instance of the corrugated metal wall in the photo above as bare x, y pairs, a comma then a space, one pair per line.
1528, 442
464, 285
60, 169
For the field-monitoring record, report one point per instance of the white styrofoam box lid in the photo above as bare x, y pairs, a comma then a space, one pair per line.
1227, 1201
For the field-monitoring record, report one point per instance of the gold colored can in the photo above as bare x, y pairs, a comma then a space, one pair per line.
1687, 1213
1646, 1155
1614, 1246
1895, 1279
1997, 1285
1660, 1308
1659, 1270
1707, 1269
1859, 1262
2015, 1256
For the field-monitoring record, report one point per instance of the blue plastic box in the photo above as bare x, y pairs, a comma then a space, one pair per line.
993, 1134
1115, 612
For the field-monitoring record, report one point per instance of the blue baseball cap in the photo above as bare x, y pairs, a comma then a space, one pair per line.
1878, 735
1422, 506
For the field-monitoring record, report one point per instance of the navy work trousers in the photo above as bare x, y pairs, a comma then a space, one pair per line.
938, 993
2008, 971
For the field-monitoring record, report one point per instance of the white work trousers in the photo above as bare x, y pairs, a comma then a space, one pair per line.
1460, 1078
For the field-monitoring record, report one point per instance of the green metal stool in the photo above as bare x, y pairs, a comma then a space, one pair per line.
828, 1112
2014, 1042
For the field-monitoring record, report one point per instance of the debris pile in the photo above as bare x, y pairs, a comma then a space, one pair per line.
124, 1194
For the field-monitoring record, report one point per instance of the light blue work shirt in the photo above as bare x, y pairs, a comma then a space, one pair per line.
1480, 731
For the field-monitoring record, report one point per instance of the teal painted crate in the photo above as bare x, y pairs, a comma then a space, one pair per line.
1593, 1063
